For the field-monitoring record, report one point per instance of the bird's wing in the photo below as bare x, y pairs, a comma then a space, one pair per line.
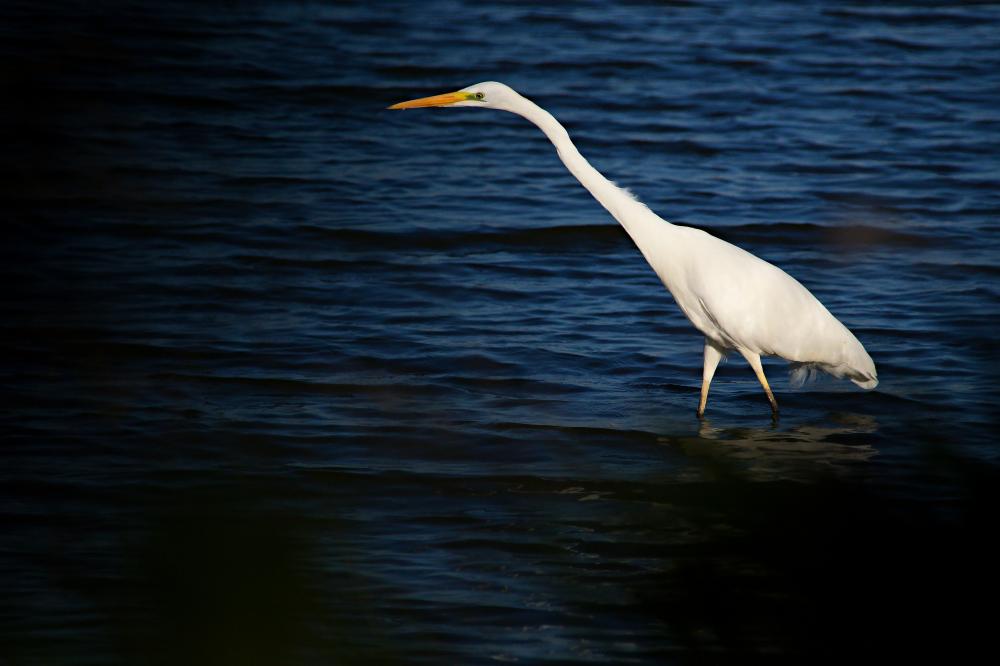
753, 305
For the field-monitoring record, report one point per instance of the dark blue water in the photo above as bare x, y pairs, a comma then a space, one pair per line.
290, 378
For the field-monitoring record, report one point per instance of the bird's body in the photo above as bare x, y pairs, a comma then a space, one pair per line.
730, 300
737, 300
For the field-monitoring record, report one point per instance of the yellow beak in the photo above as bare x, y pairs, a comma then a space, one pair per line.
436, 100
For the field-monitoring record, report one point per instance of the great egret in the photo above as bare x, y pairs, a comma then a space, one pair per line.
738, 301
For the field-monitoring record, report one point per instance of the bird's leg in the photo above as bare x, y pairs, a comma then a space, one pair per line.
754, 361
712, 357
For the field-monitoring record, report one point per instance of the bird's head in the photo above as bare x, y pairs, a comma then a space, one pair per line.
487, 95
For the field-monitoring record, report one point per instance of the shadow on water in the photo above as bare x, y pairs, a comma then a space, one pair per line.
231, 575
233, 578
797, 551
829, 569
785, 547
768, 547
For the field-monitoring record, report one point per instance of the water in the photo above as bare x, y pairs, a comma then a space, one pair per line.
290, 378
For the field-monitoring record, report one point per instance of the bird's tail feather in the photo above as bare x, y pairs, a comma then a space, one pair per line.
801, 373
867, 383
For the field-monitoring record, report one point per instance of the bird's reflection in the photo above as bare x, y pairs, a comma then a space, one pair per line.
835, 442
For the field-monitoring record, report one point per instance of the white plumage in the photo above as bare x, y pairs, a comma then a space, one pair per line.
738, 301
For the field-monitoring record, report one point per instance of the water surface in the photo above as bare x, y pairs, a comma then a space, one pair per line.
290, 378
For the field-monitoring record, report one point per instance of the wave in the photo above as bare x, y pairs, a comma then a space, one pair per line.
564, 238
804, 233
591, 237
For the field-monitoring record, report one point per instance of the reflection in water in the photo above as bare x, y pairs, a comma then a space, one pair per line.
799, 451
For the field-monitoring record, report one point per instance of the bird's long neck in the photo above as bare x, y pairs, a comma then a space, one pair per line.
616, 200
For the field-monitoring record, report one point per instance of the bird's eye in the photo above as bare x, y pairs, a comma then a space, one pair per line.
480, 95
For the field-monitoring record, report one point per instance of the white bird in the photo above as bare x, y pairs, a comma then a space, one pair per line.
738, 301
